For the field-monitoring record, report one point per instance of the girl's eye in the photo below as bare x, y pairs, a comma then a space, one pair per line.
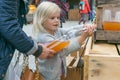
58, 18
52, 18
55, 18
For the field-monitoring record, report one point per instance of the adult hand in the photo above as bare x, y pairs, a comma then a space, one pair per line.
46, 52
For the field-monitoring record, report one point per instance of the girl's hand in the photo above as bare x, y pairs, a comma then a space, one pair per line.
89, 29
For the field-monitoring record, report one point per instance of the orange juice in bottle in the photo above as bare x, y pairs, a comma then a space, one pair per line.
58, 45
51, 43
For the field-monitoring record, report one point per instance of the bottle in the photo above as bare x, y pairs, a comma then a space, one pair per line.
58, 44
75, 31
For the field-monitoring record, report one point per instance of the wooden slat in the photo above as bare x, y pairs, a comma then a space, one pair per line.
104, 68
69, 59
77, 60
102, 62
107, 2
119, 46
86, 58
109, 36
118, 49
104, 49
99, 12
100, 35
80, 51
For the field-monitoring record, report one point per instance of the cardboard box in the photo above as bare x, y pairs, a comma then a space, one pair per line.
74, 15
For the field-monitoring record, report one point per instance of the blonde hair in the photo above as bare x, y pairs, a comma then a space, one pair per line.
44, 10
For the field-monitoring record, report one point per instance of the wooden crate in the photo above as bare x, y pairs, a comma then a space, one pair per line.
102, 2
101, 61
74, 65
79, 52
101, 15
110, 35
73, 71
73, 15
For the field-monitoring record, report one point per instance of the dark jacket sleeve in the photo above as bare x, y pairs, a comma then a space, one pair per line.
10, 28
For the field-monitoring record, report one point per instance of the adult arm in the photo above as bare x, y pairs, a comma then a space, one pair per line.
10, 29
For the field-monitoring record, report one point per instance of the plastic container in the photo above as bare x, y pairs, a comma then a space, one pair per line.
115, 26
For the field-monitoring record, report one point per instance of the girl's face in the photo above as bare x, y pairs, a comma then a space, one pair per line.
52, 23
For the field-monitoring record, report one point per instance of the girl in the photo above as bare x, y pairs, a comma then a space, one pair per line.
46, 25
